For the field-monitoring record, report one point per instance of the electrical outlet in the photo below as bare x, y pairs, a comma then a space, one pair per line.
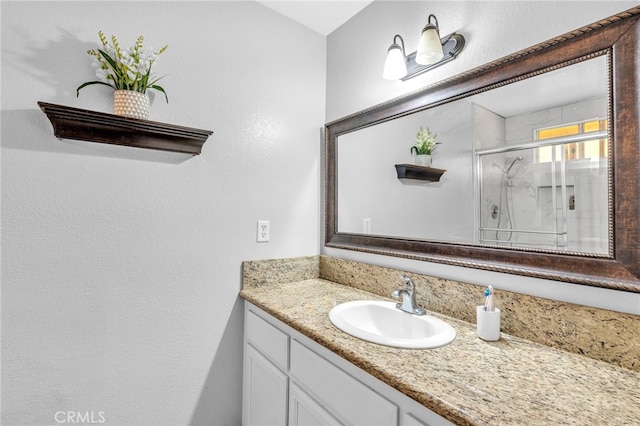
366, 225
263, 231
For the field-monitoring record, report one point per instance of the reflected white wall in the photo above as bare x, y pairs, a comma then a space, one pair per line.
409, 208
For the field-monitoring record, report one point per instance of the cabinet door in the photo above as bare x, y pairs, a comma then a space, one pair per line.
304, 411
264, 391
345, 397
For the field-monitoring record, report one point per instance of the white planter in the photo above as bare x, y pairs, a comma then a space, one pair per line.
423, 160
131, 104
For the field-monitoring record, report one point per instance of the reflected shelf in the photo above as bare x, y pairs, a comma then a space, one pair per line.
412, 171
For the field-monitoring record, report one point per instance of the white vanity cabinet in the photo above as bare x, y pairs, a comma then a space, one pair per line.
291, 380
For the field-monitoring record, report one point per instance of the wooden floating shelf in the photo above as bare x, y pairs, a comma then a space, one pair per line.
92, 126
411, 171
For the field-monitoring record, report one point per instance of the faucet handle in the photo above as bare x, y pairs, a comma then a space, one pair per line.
408, 283
405, 279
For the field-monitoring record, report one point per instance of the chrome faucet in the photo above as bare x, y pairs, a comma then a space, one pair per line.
408, 296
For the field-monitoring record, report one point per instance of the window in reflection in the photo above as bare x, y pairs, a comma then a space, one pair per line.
593, 149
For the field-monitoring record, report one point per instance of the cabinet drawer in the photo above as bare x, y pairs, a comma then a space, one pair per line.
348, 399
271, 342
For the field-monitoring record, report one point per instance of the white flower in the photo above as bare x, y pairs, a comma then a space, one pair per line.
127, 60
148, 55
144, 66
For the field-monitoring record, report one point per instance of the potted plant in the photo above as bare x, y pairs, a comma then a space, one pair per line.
128, 71
424, 146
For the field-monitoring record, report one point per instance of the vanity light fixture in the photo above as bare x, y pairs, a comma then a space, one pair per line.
395, 67
430, 47
432, 52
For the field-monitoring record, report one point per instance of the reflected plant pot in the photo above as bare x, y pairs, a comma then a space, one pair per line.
423, 160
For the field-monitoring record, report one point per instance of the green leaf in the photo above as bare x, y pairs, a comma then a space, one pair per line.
109, 59
89, 84
151, 83
160, 89
120, 80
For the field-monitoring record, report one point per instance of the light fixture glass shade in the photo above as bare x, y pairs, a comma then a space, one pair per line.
395, 66
430, 47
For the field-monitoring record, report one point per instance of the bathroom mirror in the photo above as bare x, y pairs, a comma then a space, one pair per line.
538, 160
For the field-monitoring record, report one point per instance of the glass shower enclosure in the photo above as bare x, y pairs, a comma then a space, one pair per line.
549, 194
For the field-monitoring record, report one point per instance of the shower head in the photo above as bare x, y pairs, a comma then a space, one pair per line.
518, 158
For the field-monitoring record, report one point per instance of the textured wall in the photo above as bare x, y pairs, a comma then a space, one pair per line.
493, 29
121, 267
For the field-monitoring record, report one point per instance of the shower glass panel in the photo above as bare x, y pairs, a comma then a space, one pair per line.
545, 195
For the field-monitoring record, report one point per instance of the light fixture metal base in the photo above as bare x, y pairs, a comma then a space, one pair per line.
452, 45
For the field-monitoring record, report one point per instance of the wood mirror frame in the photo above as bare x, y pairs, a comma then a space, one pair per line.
618, 37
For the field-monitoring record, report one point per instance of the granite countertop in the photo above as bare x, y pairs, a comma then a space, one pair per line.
470, 382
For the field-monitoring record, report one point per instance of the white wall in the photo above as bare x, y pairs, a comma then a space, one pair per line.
355, 57
121, 267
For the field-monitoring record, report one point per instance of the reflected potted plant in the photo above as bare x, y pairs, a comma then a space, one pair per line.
424, 146
128, 71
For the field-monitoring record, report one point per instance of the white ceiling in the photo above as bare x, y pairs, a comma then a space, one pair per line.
321, 16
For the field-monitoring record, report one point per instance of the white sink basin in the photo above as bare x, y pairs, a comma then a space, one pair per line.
381, 322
